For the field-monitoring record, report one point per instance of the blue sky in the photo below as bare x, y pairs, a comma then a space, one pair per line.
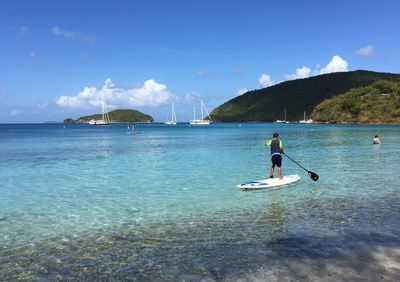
58, 57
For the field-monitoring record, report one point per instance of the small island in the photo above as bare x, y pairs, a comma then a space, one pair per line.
116, 116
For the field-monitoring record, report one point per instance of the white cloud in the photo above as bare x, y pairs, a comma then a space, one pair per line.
22, 31
64, 33
241, 91
192, 96
265, 80
108, 84
337, 64
365, 51
88, 38
188, 98
302, 72
71, 34
42, 105
201, 73
150, 94
15, 112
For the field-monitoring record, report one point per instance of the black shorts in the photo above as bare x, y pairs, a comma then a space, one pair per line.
276, 160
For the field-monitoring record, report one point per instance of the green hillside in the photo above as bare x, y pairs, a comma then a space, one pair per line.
377, 103
295, 96
116, 116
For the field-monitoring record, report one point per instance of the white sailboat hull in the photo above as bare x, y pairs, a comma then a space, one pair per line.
199, 122
282, 121
306, 121
101, 122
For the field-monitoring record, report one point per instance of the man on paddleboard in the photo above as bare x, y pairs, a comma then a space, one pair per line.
276, 154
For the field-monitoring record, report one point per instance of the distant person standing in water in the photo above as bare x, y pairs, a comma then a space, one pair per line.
376, 140
276, 154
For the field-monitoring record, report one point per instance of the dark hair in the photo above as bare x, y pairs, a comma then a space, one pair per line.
376, 136
275, 135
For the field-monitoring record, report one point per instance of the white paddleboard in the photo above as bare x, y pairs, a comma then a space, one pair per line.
269, 183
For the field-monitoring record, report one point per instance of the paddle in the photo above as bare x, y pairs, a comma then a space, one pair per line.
312, 175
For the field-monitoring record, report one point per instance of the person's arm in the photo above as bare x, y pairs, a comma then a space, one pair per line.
281, 146
268, 143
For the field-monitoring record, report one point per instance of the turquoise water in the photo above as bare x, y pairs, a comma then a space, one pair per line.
147, 202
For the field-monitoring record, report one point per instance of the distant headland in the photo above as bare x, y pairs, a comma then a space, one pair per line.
378, 103
342, 97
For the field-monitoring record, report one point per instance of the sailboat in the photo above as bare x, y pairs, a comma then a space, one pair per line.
201, 121
306, 120
173, 117
105, 120
282, 121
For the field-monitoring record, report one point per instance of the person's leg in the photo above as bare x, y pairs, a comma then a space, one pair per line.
279, 164
280, 172
271, 173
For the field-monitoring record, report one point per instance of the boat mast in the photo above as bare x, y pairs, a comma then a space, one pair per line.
208, 114
173, 113
104, 109
201, 102
102, 105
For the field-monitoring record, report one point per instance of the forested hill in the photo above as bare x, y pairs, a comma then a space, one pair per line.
377, 103
116, 116
296, 96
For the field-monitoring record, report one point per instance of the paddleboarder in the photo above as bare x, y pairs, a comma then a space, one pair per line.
276, 154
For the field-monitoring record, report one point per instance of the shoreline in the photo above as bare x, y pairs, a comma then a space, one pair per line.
214, 122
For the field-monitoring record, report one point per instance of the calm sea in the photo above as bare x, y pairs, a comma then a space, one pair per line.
161, 203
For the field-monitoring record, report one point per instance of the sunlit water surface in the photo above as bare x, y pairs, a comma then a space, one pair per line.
161, 202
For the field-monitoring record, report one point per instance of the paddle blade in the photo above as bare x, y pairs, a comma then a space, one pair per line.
313, 175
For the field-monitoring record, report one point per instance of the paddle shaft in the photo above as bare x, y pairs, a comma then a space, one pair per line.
313, 175
295, 162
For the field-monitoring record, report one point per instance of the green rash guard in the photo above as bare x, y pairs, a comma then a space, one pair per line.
276, 146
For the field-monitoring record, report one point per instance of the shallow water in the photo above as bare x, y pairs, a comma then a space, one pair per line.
85, 202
